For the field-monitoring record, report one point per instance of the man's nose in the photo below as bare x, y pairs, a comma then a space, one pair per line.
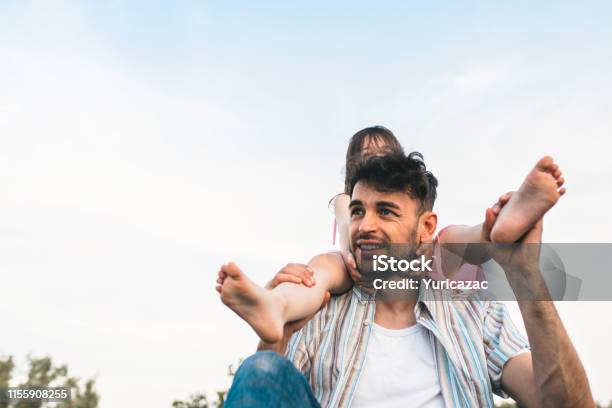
368, 223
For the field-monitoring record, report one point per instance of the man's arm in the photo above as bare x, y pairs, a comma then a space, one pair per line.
552, 374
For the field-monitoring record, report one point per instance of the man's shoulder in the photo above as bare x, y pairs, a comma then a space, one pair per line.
483, 311
472, 306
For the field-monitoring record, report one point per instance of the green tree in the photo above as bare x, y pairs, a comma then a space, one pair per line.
43, 373
199, 400
194, 401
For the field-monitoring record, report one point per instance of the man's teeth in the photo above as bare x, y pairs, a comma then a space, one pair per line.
369, 247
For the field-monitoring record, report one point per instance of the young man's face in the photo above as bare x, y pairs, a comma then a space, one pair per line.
379, 219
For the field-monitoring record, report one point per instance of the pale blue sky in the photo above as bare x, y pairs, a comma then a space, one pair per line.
142, 144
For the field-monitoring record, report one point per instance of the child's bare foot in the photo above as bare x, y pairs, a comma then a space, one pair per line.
538, 193
260, 308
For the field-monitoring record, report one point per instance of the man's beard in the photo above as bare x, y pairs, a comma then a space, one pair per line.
365, 262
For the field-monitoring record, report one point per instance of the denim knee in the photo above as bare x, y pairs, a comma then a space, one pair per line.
267, 379
264, 363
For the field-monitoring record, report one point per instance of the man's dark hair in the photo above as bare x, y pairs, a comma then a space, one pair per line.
378, 135
398, 172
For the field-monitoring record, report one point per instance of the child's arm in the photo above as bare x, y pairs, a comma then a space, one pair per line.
343, 219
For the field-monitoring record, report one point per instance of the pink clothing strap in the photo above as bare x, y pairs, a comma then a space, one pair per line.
334, 238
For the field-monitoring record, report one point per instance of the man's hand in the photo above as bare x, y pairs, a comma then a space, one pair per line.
293, 273
519, 259
491, 215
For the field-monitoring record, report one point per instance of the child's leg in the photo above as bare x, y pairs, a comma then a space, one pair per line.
462, 243
461, 234
517, 213
540, 190
538, 193
258, 306
330, 275
267, 311
456, 240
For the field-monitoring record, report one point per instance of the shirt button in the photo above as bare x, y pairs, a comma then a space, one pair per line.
366, 322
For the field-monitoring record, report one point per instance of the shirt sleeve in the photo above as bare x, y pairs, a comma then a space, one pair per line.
502, 341
297, 350
303, 344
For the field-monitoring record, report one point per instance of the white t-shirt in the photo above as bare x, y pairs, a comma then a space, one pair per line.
399, 370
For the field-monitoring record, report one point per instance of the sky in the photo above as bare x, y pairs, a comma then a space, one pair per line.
143, 144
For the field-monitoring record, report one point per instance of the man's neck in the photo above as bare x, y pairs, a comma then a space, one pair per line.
396, 313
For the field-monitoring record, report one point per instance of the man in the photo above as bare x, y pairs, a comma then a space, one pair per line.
420, 350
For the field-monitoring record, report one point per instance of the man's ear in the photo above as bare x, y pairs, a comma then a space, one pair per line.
428, 222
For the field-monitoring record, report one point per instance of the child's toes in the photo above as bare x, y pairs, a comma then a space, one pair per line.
560, 181
545, 163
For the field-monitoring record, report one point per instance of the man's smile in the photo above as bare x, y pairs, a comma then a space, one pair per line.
370, 246
365, 248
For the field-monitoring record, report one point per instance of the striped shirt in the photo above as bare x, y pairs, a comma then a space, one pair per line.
472, 340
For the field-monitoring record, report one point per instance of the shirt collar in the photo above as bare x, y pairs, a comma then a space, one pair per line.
426, 300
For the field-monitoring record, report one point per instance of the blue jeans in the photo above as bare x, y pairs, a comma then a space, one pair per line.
268, 380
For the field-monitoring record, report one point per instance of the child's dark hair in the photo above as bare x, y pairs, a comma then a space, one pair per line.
397, 172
